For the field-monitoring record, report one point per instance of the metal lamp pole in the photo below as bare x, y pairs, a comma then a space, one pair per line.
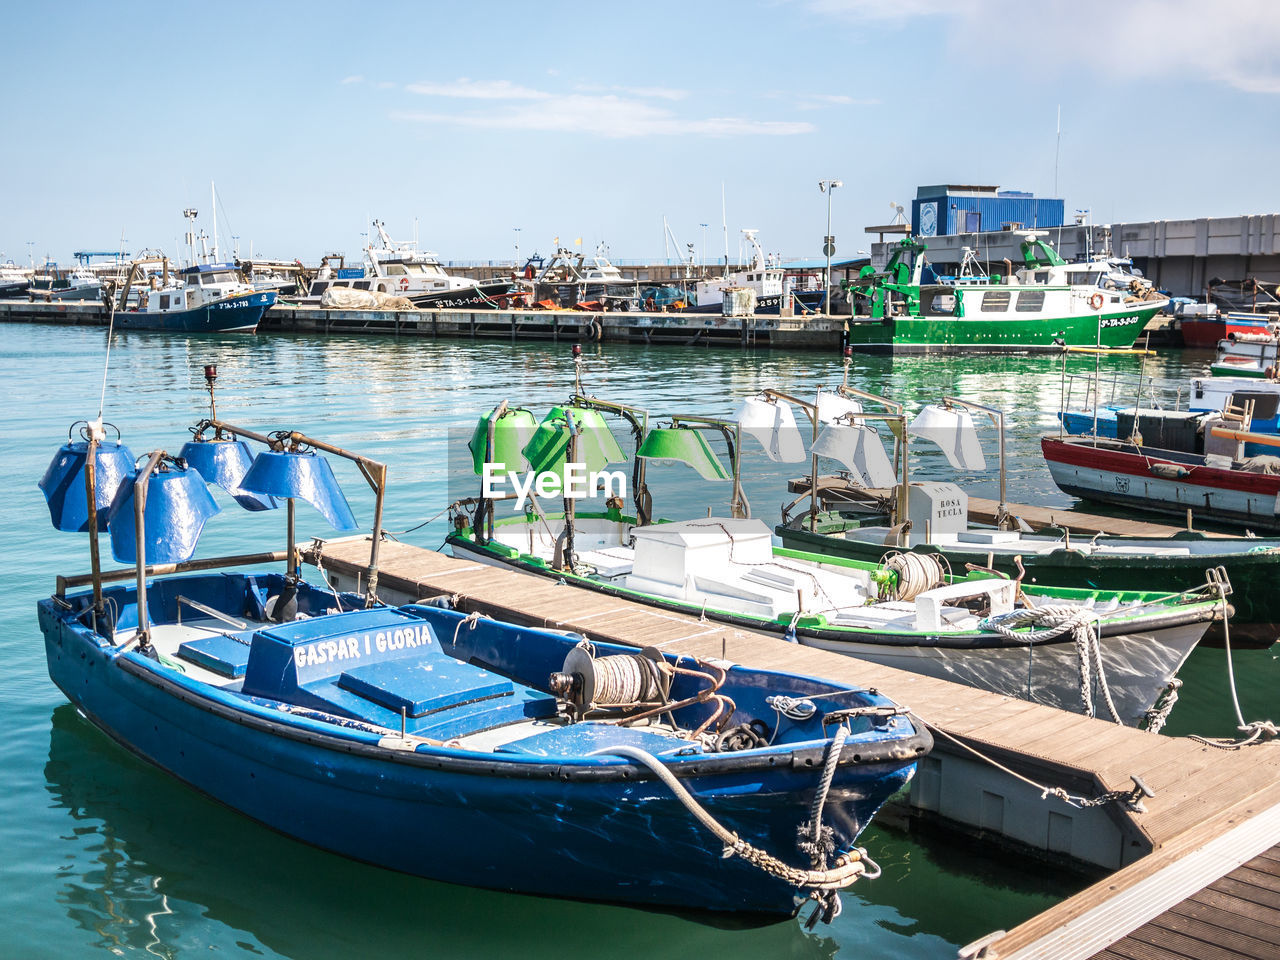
829, 242
516, 231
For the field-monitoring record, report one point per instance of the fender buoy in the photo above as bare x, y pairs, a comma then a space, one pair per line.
1272, 372
404, 283
1096, 301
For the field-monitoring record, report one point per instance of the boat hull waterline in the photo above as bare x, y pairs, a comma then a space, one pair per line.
906, 334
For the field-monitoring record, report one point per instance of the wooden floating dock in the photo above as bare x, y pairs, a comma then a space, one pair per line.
1196, 871
812, 331
833, 491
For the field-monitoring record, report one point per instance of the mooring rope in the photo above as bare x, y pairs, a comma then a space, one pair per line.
1060, 619
1071, 799
848, 867
1254, 731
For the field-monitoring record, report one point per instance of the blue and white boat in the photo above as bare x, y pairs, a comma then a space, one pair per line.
209, 298
445, 745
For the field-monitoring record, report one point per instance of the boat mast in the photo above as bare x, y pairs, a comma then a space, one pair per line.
213, 195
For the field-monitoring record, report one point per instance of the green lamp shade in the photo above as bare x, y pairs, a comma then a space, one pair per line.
548, 450
511, 432
687, 446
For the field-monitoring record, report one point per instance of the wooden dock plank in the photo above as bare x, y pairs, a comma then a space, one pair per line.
1201, 794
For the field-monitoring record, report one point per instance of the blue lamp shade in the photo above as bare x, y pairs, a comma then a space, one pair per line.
225, 462
178, 504
304, 476
63, 483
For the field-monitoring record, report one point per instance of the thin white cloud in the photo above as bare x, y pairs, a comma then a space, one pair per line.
477, 90
649, 93
385, 84
353, 78
1228, 42
601, 114
606, 116
892, 10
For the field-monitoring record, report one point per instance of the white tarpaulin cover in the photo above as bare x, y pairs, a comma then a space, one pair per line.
953, 431
345, 298
774, 425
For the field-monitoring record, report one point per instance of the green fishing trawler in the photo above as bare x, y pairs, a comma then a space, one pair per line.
1047, 304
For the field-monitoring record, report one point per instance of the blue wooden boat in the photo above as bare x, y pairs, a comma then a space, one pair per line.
209, 298
426, 741
446, 745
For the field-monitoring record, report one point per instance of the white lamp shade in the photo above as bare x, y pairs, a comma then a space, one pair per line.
832, 405
953, 431
774, 426
860, 450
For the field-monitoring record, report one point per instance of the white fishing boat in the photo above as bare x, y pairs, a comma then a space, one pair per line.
51, 284
398, 267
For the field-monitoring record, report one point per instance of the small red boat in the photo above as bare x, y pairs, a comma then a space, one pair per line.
1213, 487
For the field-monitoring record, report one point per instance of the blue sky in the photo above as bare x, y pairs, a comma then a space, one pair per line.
596, 120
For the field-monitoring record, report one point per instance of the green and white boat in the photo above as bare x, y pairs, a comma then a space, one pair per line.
1036, 643
1046, 305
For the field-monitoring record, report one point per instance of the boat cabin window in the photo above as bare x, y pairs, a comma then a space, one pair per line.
1040, 276
995, 301
937, 303
1083, 277
320, 286
164, 305
359, 285
1030, 301
396, 270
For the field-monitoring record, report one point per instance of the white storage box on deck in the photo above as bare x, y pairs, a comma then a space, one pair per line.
668, 554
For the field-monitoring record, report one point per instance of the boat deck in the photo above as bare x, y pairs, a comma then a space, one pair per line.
1212, 810
835, 490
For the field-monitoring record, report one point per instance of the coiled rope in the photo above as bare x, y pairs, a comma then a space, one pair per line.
915, 573
1058, 620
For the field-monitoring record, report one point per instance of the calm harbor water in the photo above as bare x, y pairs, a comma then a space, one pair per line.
106, 854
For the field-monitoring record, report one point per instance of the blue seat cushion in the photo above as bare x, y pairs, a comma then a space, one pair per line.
224, 655
420, 687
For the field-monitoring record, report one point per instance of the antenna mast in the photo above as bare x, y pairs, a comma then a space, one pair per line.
1056, 151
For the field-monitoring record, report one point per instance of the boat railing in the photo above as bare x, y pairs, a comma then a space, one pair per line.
1121, 389
65, 583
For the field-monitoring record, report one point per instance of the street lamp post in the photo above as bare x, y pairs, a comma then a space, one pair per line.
704, 245
516, 231
829, 241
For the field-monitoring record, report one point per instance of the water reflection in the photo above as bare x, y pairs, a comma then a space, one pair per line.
152, 866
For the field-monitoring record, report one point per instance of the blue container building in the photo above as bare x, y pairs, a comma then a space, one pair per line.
944, 209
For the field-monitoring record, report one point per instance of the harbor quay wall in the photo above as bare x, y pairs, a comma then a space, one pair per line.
816, 332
